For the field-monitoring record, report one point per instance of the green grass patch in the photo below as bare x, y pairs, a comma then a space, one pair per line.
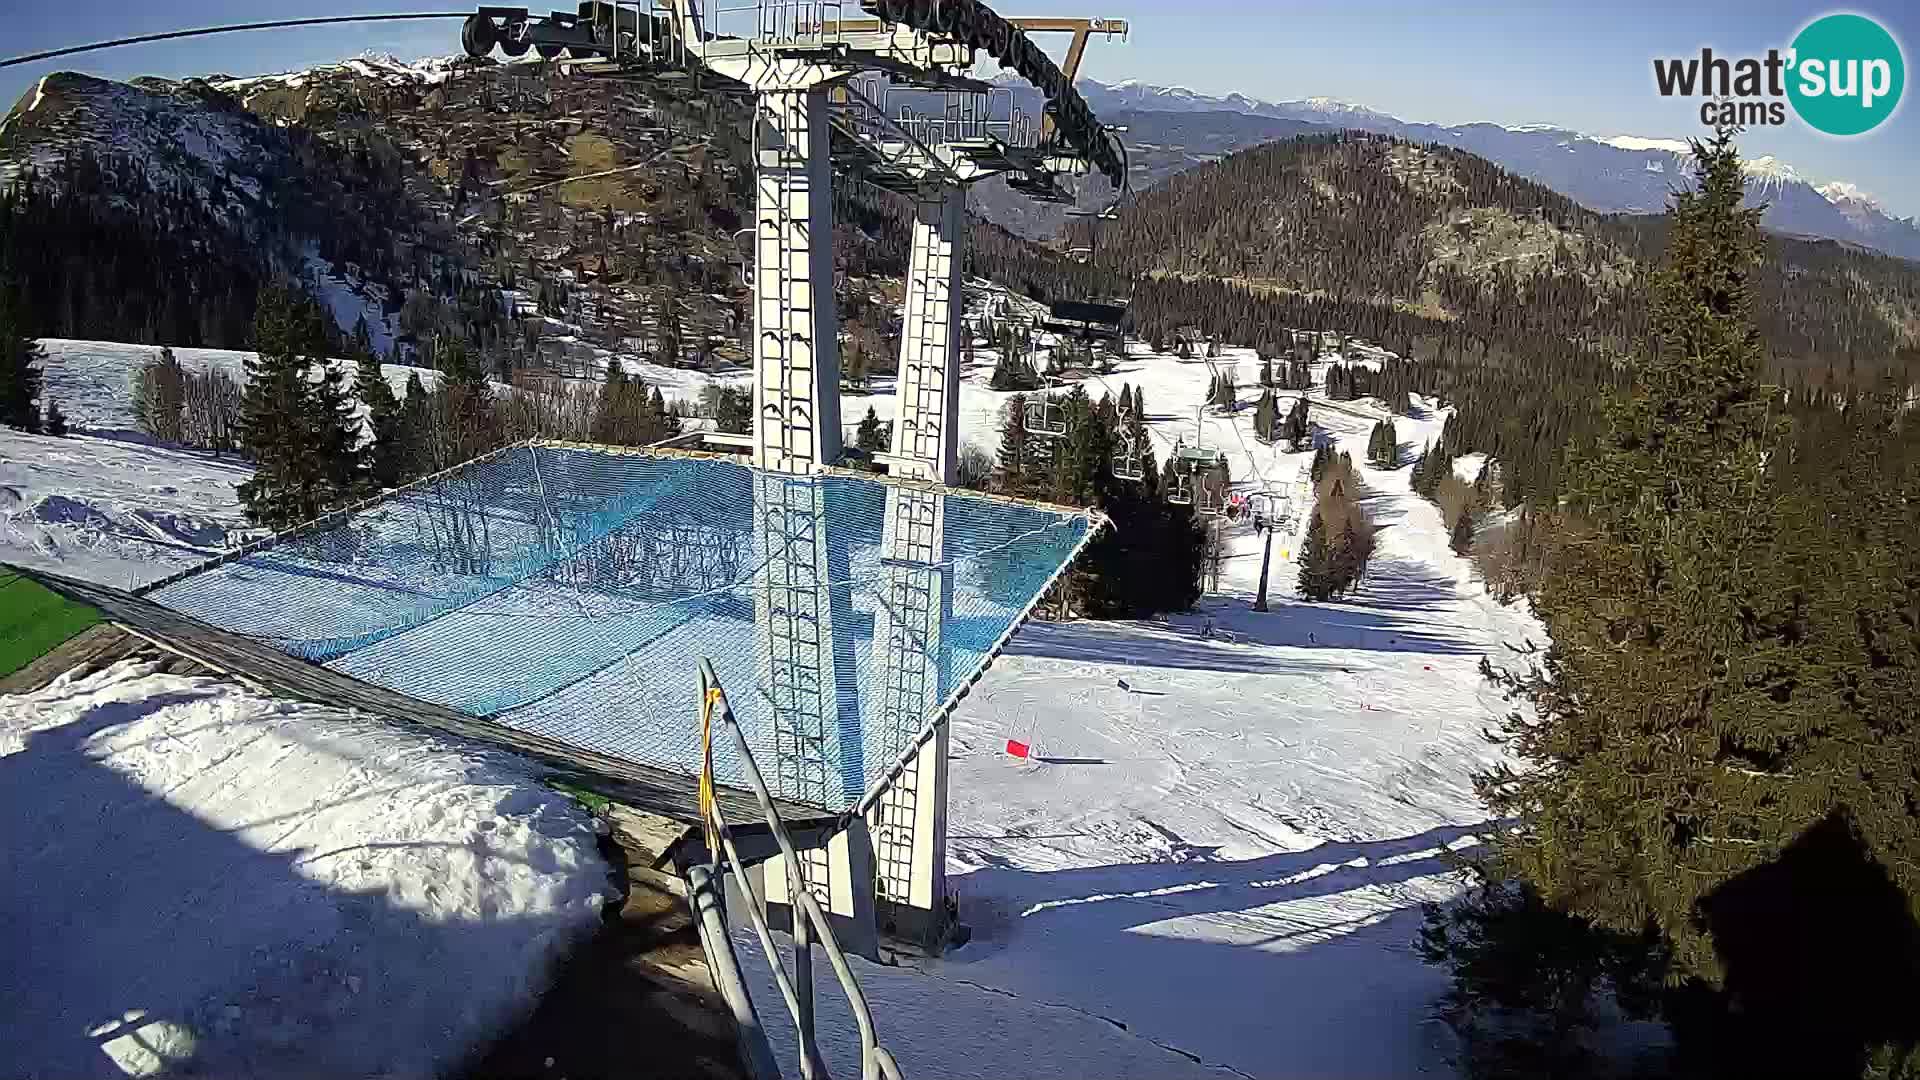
599, 804
34, 621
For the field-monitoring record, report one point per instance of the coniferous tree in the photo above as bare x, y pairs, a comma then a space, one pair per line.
872, 436
20, 359
1349, 560
609, 421
1316, 580
1296, 431
415, 429
299, 430
1016, 447
1713, 738
1266, 417
55, 422
160, 398
1461, 537
386, 449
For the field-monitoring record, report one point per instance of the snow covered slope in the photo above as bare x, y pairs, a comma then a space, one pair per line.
189, 873
1213, 866
107, 505
1214, 863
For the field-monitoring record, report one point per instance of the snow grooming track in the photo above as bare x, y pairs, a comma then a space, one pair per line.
194, 874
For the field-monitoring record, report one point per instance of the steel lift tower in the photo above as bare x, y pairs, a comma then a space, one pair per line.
920, 125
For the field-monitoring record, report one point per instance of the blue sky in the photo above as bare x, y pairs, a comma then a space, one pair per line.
1577, 65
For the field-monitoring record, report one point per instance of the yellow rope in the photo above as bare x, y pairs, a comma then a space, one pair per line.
708, 817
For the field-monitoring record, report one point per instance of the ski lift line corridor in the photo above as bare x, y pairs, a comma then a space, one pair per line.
565, 591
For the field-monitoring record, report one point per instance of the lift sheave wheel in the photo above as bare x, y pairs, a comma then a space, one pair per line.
477, 35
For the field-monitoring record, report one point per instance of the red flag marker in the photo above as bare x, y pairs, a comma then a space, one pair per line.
1016, 748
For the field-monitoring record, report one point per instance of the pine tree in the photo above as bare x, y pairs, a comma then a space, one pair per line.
1689, 731
1316, 580
20, 359
298, 430
1318, 469
1417, 479
55, 423
1266, 371
1016, 449
386, 449
872, 437
1266, 418
1461, 538
160, 398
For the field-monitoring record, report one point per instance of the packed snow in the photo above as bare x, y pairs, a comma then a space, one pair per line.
1214, 861
194, 877
1212, 865
108, 505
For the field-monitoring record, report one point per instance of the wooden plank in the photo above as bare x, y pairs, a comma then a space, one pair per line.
643, 787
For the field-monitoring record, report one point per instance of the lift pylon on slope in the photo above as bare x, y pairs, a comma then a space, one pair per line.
800, 64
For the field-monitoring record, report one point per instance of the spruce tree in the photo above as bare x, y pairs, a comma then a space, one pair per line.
386, 448
1016, 451
1690, 720
1316, 581
20, 359
1460, 539
609, 422
298, 430
55, 423
871, 437
1417, 479
1349, 560
1265, 418
160, 398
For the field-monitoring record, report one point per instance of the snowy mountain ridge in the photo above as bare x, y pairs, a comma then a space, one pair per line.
1611, 173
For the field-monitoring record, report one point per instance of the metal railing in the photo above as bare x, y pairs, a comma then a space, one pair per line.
809, 920
878, 109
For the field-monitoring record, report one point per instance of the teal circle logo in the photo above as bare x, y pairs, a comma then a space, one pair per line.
1847, 74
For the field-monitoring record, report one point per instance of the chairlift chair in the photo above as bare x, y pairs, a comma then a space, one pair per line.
1181, 493
1046, 417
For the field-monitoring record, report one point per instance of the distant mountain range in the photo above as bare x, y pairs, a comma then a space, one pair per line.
1171, 128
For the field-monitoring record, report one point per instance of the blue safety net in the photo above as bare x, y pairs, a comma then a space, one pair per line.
573, 591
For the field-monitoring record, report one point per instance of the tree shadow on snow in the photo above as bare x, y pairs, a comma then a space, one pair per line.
127, 922
1145, 645
1356, 626
1099, 939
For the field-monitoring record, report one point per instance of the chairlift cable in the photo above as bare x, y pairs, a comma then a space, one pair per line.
229, 28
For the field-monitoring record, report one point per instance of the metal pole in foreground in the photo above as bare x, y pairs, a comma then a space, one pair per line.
703, 894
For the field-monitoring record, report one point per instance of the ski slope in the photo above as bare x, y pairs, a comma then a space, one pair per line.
1214, 863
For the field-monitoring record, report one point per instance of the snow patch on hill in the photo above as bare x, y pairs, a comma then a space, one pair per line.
1634, 142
